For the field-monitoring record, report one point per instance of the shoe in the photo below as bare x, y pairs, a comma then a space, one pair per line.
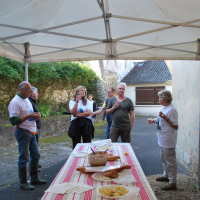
23, 179
34, 175
171, 186
39, 166
162, 178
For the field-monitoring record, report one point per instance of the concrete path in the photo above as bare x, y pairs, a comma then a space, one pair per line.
144, 143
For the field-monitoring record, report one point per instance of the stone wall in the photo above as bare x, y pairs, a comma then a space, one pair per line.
52, 126
187, 160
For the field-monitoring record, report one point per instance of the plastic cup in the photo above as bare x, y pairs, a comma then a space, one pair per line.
149, 121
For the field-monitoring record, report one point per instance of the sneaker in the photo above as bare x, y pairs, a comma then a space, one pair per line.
171, 186
162, 178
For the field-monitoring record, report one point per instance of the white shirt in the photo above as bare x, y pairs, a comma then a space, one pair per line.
88, 106
167, 136
91, 104
20, 107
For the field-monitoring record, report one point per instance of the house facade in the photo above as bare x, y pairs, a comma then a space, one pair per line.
144, 81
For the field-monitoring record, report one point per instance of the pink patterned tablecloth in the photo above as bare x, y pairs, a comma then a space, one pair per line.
68, 173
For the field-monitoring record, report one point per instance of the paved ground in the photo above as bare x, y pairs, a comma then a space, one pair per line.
144, 143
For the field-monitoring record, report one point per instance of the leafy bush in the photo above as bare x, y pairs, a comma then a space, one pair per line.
47, 77
44, 110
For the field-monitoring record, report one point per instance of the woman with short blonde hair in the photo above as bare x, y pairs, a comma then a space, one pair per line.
167, 126
81, 124
166, 95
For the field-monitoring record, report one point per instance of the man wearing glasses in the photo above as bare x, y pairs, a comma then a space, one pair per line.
24, 119
111, 93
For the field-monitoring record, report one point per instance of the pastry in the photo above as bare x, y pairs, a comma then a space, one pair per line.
123, 167
112, 158
112, 174
80, 169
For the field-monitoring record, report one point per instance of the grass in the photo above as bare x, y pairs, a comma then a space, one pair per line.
99, 124
98, 131
8, 125
57, 139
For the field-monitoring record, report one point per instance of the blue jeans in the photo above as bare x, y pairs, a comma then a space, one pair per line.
92, 119
108, 130
26, 142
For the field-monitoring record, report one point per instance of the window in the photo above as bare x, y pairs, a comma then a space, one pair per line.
148, 95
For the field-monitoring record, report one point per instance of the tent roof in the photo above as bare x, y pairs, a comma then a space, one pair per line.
74, 30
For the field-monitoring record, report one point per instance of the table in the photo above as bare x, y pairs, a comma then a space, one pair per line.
68, 173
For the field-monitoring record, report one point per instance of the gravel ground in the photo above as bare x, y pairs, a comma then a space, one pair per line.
50, 154
186, 189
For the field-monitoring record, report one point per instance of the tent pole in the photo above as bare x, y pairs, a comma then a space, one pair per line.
198, 186
26, 55
198, 57
26, 70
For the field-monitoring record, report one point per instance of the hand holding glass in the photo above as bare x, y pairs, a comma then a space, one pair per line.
149, 121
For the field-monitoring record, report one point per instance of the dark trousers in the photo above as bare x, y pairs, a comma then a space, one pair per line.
124, 132
87, 138
37, 135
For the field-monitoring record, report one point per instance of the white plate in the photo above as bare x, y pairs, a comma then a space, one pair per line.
125, 177
100, 176
107, 186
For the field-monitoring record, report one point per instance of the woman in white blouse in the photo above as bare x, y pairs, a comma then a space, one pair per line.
167, 126
81, 124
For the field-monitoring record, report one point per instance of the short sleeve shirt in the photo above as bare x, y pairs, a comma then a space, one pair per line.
120, 116
19, 107
167, 136
88, 106
104, 105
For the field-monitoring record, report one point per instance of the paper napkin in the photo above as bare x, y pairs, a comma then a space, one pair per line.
99, 143
125, 177
64, 188
134, 194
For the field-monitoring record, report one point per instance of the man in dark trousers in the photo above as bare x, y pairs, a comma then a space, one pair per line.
32, 99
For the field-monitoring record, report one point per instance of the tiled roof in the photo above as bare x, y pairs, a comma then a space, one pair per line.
158, 71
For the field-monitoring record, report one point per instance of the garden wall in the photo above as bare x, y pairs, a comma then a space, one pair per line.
51, 126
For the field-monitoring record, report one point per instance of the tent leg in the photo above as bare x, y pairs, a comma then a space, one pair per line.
26, 55
199, 151
26, 70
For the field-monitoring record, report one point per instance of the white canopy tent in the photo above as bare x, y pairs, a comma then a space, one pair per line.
74, 30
